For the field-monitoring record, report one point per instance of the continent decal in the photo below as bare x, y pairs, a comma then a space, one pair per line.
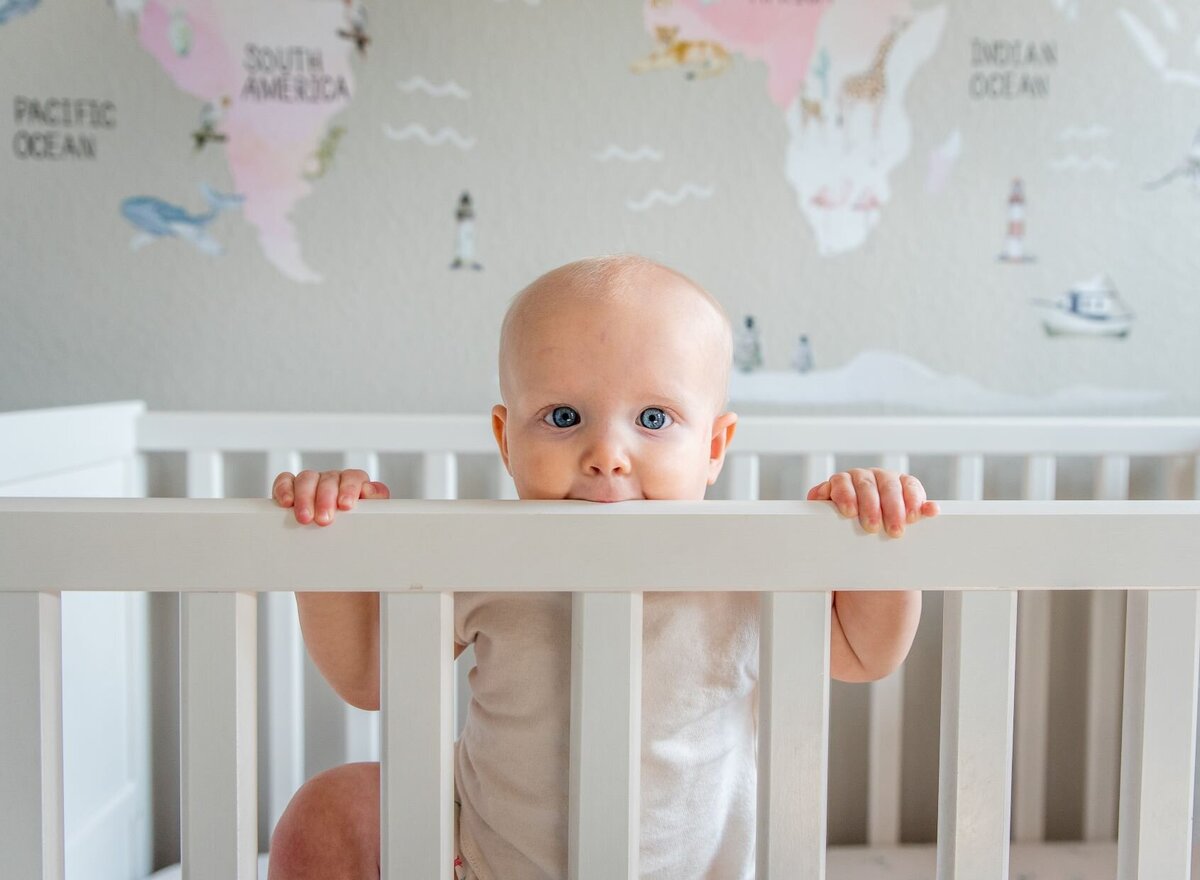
839, 158
838, 72
271, 79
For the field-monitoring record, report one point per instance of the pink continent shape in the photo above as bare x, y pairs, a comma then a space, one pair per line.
780, 33
269, 141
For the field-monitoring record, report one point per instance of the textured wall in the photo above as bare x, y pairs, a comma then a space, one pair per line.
1015, 90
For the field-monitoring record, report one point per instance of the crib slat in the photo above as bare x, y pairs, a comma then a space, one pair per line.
793, 735
417, 769
218, 735
975, 776
31, 755
1105, 669
1111, 481
1106, 635
360, 727
285, 676
503, 487
744, 476
363, 460
1162, 645
285, 696
362, 734
886, 723
967, 479
1033, 682
440, 475
884, 760
1032, 709
818, 467
606, 736
205, 474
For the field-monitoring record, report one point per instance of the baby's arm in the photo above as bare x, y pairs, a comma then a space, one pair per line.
341, 630
871, 631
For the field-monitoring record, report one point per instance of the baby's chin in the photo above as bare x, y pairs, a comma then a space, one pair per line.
605, 499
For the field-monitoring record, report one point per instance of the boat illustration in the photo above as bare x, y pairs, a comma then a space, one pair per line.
155, 219
1090, 308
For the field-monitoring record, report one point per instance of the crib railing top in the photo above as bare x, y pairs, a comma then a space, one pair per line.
204, 545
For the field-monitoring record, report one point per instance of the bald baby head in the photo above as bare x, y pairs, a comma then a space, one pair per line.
622, 287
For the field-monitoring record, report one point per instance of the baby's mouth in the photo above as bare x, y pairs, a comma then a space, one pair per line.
604, 498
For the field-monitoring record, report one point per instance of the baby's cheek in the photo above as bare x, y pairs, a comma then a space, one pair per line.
540, 475
680, 478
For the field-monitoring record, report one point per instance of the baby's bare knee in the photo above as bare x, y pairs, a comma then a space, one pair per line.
330, 828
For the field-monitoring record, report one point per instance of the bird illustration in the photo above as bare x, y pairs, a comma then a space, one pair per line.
1189, 168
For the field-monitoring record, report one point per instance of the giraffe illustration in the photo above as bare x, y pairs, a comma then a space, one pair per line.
870, 86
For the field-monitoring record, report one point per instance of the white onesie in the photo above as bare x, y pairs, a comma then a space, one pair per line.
699, 735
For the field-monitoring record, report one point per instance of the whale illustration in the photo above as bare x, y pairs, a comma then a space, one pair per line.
156, 219
12, 8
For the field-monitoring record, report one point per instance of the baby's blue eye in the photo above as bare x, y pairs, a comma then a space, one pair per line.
562, 417
654, 418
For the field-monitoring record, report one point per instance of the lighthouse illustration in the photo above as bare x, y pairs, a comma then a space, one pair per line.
464, 250
1014, 240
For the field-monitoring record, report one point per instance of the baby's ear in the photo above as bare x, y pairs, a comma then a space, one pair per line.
723, 428
499, 422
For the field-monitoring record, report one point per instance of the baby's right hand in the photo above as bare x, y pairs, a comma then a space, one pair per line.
310, 492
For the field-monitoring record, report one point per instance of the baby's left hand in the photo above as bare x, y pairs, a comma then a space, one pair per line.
875, 493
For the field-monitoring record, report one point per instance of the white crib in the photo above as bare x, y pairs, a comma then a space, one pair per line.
1140, 755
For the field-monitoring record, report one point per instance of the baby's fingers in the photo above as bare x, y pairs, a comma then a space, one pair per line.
376, 491
282, 490
350, 487
891, 501
841, 493
326, 496
305, 489
357, 484
819, 492
915, 502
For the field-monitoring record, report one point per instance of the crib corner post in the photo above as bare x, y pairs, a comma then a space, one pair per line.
31, 782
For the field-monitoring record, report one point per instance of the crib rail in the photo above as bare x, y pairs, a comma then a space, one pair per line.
822, 445
222, 552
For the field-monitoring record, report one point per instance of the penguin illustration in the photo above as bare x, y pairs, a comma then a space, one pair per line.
802, 357
747, 347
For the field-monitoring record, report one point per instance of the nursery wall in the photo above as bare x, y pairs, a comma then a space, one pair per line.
924, 207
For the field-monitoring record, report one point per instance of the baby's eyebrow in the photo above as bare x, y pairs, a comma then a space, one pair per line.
673, 396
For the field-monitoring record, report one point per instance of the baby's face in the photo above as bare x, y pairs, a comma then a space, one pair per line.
612, 401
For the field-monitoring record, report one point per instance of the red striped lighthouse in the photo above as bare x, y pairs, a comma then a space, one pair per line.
1014, 239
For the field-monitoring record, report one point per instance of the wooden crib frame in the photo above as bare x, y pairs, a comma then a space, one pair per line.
981, 552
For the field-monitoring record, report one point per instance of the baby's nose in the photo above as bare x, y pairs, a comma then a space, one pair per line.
605, 457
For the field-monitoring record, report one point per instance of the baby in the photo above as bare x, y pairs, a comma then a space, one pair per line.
613, 373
